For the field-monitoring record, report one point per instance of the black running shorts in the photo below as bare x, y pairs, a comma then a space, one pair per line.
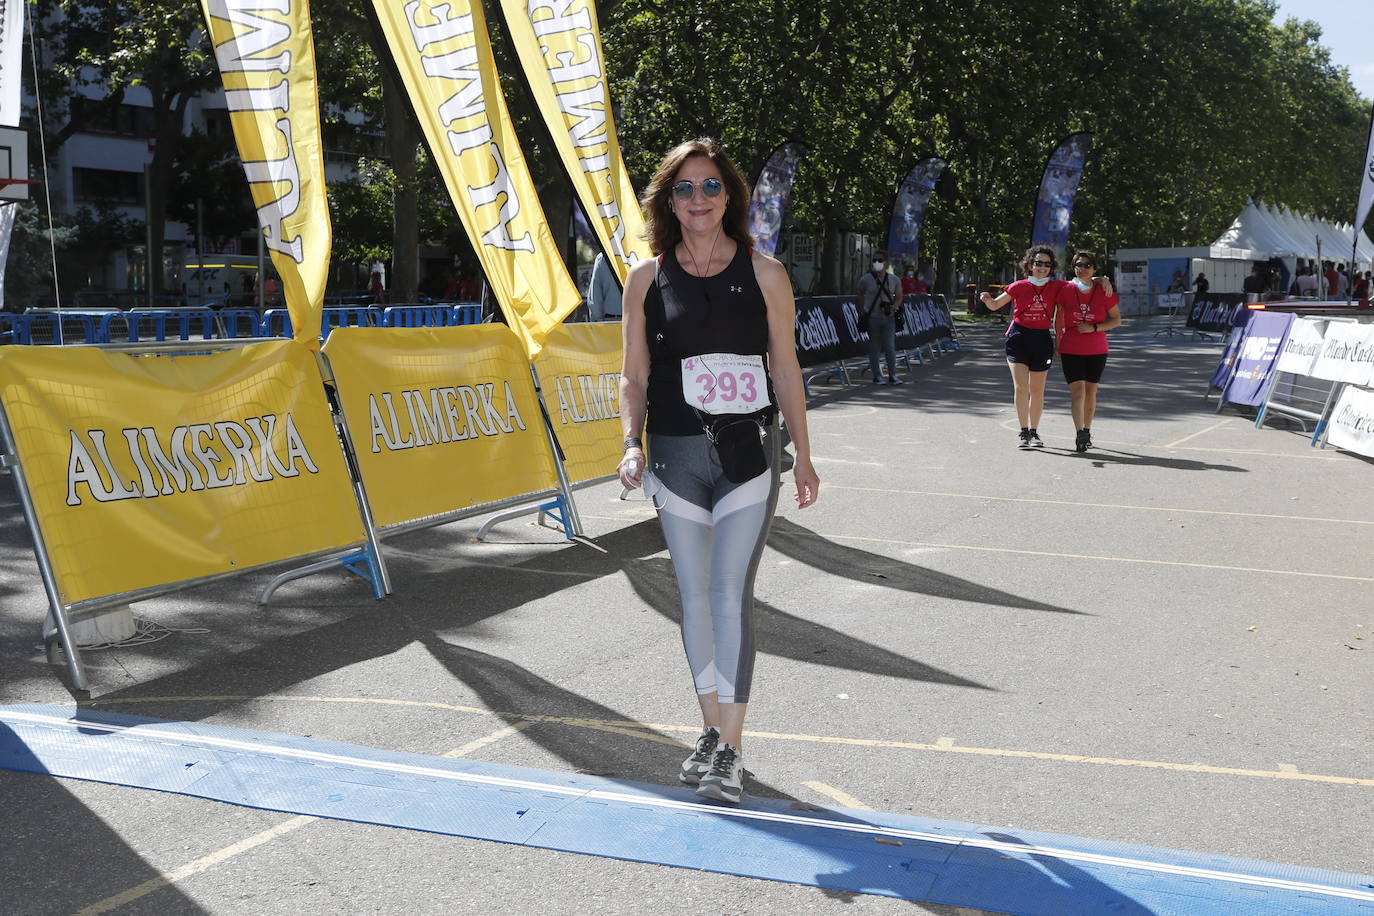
1033, 347
1083, 368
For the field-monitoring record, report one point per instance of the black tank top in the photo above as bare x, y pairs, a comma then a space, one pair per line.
687, 316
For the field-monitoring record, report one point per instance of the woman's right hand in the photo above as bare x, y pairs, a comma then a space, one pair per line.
631, 469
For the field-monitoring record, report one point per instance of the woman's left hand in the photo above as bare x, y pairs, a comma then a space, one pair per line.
1085, 327
808, 484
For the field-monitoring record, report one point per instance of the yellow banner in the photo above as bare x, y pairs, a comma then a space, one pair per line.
146, 471
441, 419
579, 371
443, 53
266, 55
560, 50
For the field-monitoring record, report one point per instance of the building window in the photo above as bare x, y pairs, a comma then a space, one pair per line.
107, 185
94, 116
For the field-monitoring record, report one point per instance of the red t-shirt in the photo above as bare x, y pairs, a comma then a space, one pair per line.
1033, 306
1090, 307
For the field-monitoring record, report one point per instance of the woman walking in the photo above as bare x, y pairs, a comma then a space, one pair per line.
1030, 347
709, 331
1087, 310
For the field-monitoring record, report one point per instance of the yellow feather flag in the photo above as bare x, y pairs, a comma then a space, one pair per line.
266, 55
443, 53
560, 49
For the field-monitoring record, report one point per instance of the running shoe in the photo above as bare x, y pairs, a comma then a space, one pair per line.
697, 765
1023, 439
1034, 439
725, 780
893, 380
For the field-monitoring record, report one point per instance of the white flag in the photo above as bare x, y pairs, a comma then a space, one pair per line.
1366, 181
11, 62
7, 212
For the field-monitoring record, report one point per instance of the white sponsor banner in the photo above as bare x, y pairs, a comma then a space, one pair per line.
1347, 353
1303, 346
1351, 426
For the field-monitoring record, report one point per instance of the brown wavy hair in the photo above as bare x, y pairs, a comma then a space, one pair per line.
661, 228
1030, 256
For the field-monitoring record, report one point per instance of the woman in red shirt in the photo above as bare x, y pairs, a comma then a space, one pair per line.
1085, 311
1030, 348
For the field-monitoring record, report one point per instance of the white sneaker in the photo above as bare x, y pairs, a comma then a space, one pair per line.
697, 765
725, 780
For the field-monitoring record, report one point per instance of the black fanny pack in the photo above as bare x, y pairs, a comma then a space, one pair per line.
738, 441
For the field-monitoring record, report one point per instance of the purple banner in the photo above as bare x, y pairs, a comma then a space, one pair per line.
771, 191
1058, 187
909, 210
1259, 351
1228, 356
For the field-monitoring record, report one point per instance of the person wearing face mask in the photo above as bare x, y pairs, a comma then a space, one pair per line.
1030, 346
880, 295
910, 285
1085, 312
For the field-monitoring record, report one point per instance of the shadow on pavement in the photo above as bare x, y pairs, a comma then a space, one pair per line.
808, 547
781, 634
62, 856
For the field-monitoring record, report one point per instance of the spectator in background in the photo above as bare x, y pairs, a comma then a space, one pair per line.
1201, 284
1178, 284
469, 288
1307, 282
450, 285
1332, 278
1342, 281
1257, 284
375, 291
271, 293
1361, 290
603, 292
879, 297
910, 284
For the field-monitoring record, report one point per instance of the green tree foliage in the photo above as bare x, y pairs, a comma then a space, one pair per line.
1194, 106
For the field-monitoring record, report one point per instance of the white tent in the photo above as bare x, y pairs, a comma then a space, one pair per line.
1253, 229
1278, 232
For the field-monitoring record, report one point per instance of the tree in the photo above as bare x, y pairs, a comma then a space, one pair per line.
159, 45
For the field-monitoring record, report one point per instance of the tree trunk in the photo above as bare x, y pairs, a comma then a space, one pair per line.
170, 118
402, 139
944, 263
830, 261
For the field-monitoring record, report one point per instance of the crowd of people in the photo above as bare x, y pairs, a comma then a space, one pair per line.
1328, 280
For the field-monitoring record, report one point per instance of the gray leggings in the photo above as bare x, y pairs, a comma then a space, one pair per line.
715, 531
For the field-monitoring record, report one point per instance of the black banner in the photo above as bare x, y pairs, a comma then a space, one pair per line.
1216, 311
828, 327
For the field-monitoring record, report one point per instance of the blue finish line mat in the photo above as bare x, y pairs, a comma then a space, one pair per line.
1005, 871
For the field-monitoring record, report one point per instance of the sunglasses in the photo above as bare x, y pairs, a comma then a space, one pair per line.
711, 187
1042, 263
1080, 265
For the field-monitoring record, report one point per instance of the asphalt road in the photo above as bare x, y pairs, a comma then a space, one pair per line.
1168, 641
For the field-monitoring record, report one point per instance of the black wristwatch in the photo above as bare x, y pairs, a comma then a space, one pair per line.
633, 442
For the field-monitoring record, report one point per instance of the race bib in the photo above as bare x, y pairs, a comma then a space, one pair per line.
724, 383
